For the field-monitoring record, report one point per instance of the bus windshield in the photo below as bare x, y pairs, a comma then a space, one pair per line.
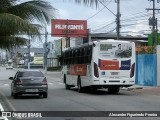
116, 50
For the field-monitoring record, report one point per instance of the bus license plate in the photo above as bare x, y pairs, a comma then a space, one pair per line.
114, 73
31, 90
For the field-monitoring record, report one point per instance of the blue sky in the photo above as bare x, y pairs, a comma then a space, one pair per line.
134, 16
129, 9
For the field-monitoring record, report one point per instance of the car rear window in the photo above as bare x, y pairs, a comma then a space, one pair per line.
30, 74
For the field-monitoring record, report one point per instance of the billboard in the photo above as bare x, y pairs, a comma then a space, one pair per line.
38, 60
69, 28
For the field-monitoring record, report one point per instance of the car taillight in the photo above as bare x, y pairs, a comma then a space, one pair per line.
18, 81
44, 81
132, 70
96, 74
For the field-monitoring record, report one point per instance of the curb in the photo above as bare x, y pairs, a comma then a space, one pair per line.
7, 103
131, 88
138, 87
135, 88
2, 110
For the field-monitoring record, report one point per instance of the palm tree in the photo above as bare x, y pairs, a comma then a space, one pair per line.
16, 20
90, 3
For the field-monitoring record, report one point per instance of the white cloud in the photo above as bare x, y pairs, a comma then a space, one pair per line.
140, 28
63, 14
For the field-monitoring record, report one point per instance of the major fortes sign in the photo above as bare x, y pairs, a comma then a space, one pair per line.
69, 28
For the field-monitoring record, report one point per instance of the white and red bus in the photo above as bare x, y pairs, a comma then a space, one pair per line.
99, 64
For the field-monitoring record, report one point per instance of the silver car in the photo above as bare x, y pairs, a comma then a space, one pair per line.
29, 82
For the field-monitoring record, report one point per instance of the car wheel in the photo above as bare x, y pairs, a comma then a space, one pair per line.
67, 86
11, 93
15, 95
45, 95
80, 88
40, 94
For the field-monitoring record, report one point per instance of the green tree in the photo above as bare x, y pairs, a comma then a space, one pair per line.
17, 18
90, 3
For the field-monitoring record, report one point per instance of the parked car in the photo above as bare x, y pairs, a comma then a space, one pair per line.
9, 66
2, 65
29, 82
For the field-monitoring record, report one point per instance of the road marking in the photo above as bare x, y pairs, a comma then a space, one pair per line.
1, 109
55, 83
61, 83
8, 102
4, 85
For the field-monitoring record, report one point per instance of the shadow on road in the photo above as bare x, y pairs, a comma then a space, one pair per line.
102, 92
26, 96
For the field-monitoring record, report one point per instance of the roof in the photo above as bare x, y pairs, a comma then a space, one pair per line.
95, 36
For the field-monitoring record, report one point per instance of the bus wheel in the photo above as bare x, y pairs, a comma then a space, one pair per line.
80, 89
67, 86
113, 89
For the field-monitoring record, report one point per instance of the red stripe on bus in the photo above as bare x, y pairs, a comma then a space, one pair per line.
109, 65
78, 69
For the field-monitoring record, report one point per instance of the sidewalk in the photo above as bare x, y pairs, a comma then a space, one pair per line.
134, 87
149, 90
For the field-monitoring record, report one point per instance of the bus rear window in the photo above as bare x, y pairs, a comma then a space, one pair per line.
116, 50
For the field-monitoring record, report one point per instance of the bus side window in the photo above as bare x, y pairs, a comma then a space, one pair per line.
85, 55
61, 59
81, 56
64, 58
89, 54
68, 58
76, 57
71, 56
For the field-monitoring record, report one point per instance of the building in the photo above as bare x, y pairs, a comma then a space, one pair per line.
52, 57
21, 57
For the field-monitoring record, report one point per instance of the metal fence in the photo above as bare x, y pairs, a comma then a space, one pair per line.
146, 69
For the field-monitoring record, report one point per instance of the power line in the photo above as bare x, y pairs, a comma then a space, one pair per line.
99, 10
104, 26
106, 7
95, 14
129, 18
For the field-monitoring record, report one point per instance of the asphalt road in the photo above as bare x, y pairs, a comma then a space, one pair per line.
60, 99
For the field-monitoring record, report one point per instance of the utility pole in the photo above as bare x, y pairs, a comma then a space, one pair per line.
29, 51
6, 55
153, 22
45, 54
118, 19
